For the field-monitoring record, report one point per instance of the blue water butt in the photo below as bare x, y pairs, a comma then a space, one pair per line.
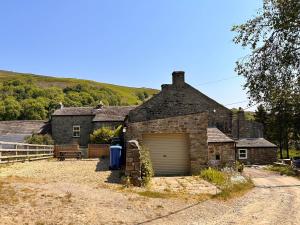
115, 157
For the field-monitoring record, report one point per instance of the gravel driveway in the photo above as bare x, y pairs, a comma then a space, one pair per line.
85, 192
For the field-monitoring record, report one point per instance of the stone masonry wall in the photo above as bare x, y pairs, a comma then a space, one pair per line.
194, 125
133, 164
259, 156
62, 129
242, 128
179, 99
226, 151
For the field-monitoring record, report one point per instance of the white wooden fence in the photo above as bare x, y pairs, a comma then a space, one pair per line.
20, 152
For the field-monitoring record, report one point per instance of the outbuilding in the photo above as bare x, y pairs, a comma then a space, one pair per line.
221, 148
256, 151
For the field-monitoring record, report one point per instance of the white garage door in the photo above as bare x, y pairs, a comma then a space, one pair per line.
169, 153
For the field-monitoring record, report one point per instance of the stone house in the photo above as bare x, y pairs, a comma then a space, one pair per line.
256, 151
185, 131
174, 126
73, 125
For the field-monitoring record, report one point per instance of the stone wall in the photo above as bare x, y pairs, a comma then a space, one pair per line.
226, 151
133, 164
259, 156
194, 125
179, 98
62, 129
242, 128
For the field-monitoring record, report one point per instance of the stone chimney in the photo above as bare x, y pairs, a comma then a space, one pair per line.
178, 78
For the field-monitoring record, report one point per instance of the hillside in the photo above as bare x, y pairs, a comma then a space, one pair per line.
30, 96
129, 95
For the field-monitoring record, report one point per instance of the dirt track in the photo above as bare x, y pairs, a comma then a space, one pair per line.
41, 193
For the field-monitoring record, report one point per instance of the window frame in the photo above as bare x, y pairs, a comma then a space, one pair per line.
76, 131
246, 153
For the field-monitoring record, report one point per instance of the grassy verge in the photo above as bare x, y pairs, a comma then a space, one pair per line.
283, 170
223, 181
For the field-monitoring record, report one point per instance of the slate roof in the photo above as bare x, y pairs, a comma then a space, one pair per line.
16, 130
105, 113
254, 142
214, 135
112, 113
74, 111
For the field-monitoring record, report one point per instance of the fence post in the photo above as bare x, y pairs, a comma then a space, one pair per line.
27, 152
0, 152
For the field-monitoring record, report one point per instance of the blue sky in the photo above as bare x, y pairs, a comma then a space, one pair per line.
134, 42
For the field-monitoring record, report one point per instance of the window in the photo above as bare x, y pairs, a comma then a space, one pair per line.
218, 157
242, 153
76, 131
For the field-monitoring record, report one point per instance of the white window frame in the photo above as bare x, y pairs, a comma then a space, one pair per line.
246, 153
76, 131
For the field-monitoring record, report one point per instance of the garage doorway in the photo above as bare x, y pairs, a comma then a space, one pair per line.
169, 153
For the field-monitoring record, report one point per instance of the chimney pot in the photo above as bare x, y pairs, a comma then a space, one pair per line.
178, 78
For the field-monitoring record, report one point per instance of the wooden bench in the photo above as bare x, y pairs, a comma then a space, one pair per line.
69, 154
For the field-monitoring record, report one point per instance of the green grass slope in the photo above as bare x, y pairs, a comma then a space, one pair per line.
129, 95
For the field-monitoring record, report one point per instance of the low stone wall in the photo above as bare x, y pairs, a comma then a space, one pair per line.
133, 163
98, 150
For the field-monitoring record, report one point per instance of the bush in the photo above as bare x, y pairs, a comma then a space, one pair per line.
102, 136
222, 180
39, 139
118, 131
214, 176
283, 170
146, 166
239, 166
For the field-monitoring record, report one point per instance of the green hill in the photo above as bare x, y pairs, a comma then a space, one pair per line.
30, 96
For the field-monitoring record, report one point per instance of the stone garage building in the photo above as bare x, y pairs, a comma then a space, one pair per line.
256, 151
177, 145
173, 126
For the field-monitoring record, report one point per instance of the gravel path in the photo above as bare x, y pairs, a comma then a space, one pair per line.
85, 192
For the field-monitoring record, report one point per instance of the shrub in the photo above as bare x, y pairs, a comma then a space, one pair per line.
283, 170
239, 166
214, 176
102, 135
146, 166
118, 131
222, 180
39, 139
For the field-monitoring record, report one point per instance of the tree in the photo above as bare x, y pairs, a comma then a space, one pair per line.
273, 37
272, 69
34, 109
11, 109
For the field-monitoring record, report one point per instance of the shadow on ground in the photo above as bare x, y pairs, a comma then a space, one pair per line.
103, 166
